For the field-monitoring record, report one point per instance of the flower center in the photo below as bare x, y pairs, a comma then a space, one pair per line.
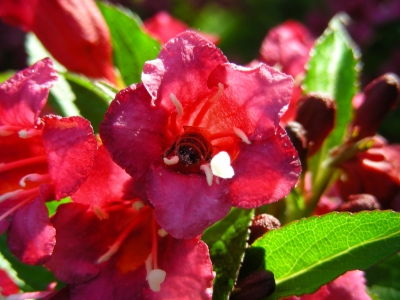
192, 151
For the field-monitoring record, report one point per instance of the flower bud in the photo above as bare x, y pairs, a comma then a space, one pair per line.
261, 224
73, 31
316, 112
360, 202
378, 98
257, 285
297, 136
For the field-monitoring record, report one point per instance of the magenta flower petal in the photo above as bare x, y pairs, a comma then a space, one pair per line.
182, 68
265, 171
105, 183
72, 260
185, 204
263, 91
71, 146
132, 130
24, 95
31, 237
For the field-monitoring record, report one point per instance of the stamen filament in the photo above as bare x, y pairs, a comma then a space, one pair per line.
34, 177
22, 162
203, 111
26, 134
19, 194
154, 246
121, 238
234, 132
177, 104
209, 175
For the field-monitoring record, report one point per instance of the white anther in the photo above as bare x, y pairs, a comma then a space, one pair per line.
216, 96
177, 104
25, 134
10, 195
221, 165
155, 278
171, 161
162, 233
241, 135
209, 175
137, 205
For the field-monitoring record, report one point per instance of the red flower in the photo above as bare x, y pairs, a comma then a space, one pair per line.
7, 286
164, 27
109, 247
193, 115
349, 286
40, 158
73, 31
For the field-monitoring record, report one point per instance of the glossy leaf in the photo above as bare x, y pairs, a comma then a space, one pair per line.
309, 253
227, 240
131, 45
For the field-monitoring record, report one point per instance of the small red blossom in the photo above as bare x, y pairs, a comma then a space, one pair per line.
164, 27
349, 286
110, 247
202, 134
7, 286
40, 159
75, 32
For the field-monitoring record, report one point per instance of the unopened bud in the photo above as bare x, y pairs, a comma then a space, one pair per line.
360, 202
297, 136
316, 112
378, 98
257, 285
261, 224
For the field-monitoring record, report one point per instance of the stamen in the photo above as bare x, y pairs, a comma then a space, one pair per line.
171, 161
221, 165
34, 178
20, 194
22, 162
162, 232
209, 174
177, 104
120, 239
207, 106
155, 278
241, 135
100, 213
154, 246
25, 134
137, 205
14, 208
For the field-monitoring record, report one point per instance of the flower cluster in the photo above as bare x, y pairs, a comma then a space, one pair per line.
197, 138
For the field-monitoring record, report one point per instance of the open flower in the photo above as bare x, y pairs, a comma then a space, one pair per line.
202, 134
110, 247
40, 159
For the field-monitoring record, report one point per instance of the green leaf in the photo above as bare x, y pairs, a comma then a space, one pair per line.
383, 279
131, 46
29, 278
53, 205
92, 97
227, 240
309, 253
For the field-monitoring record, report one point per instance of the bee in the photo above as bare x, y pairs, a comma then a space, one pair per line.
192, 147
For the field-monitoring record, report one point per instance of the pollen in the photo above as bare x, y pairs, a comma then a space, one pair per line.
177, 104
221, 165
171, 161
155, 278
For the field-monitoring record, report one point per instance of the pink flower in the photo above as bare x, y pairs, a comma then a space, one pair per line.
200, 135
349, 286
110, 247
73, 31
164, 27
40, 159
